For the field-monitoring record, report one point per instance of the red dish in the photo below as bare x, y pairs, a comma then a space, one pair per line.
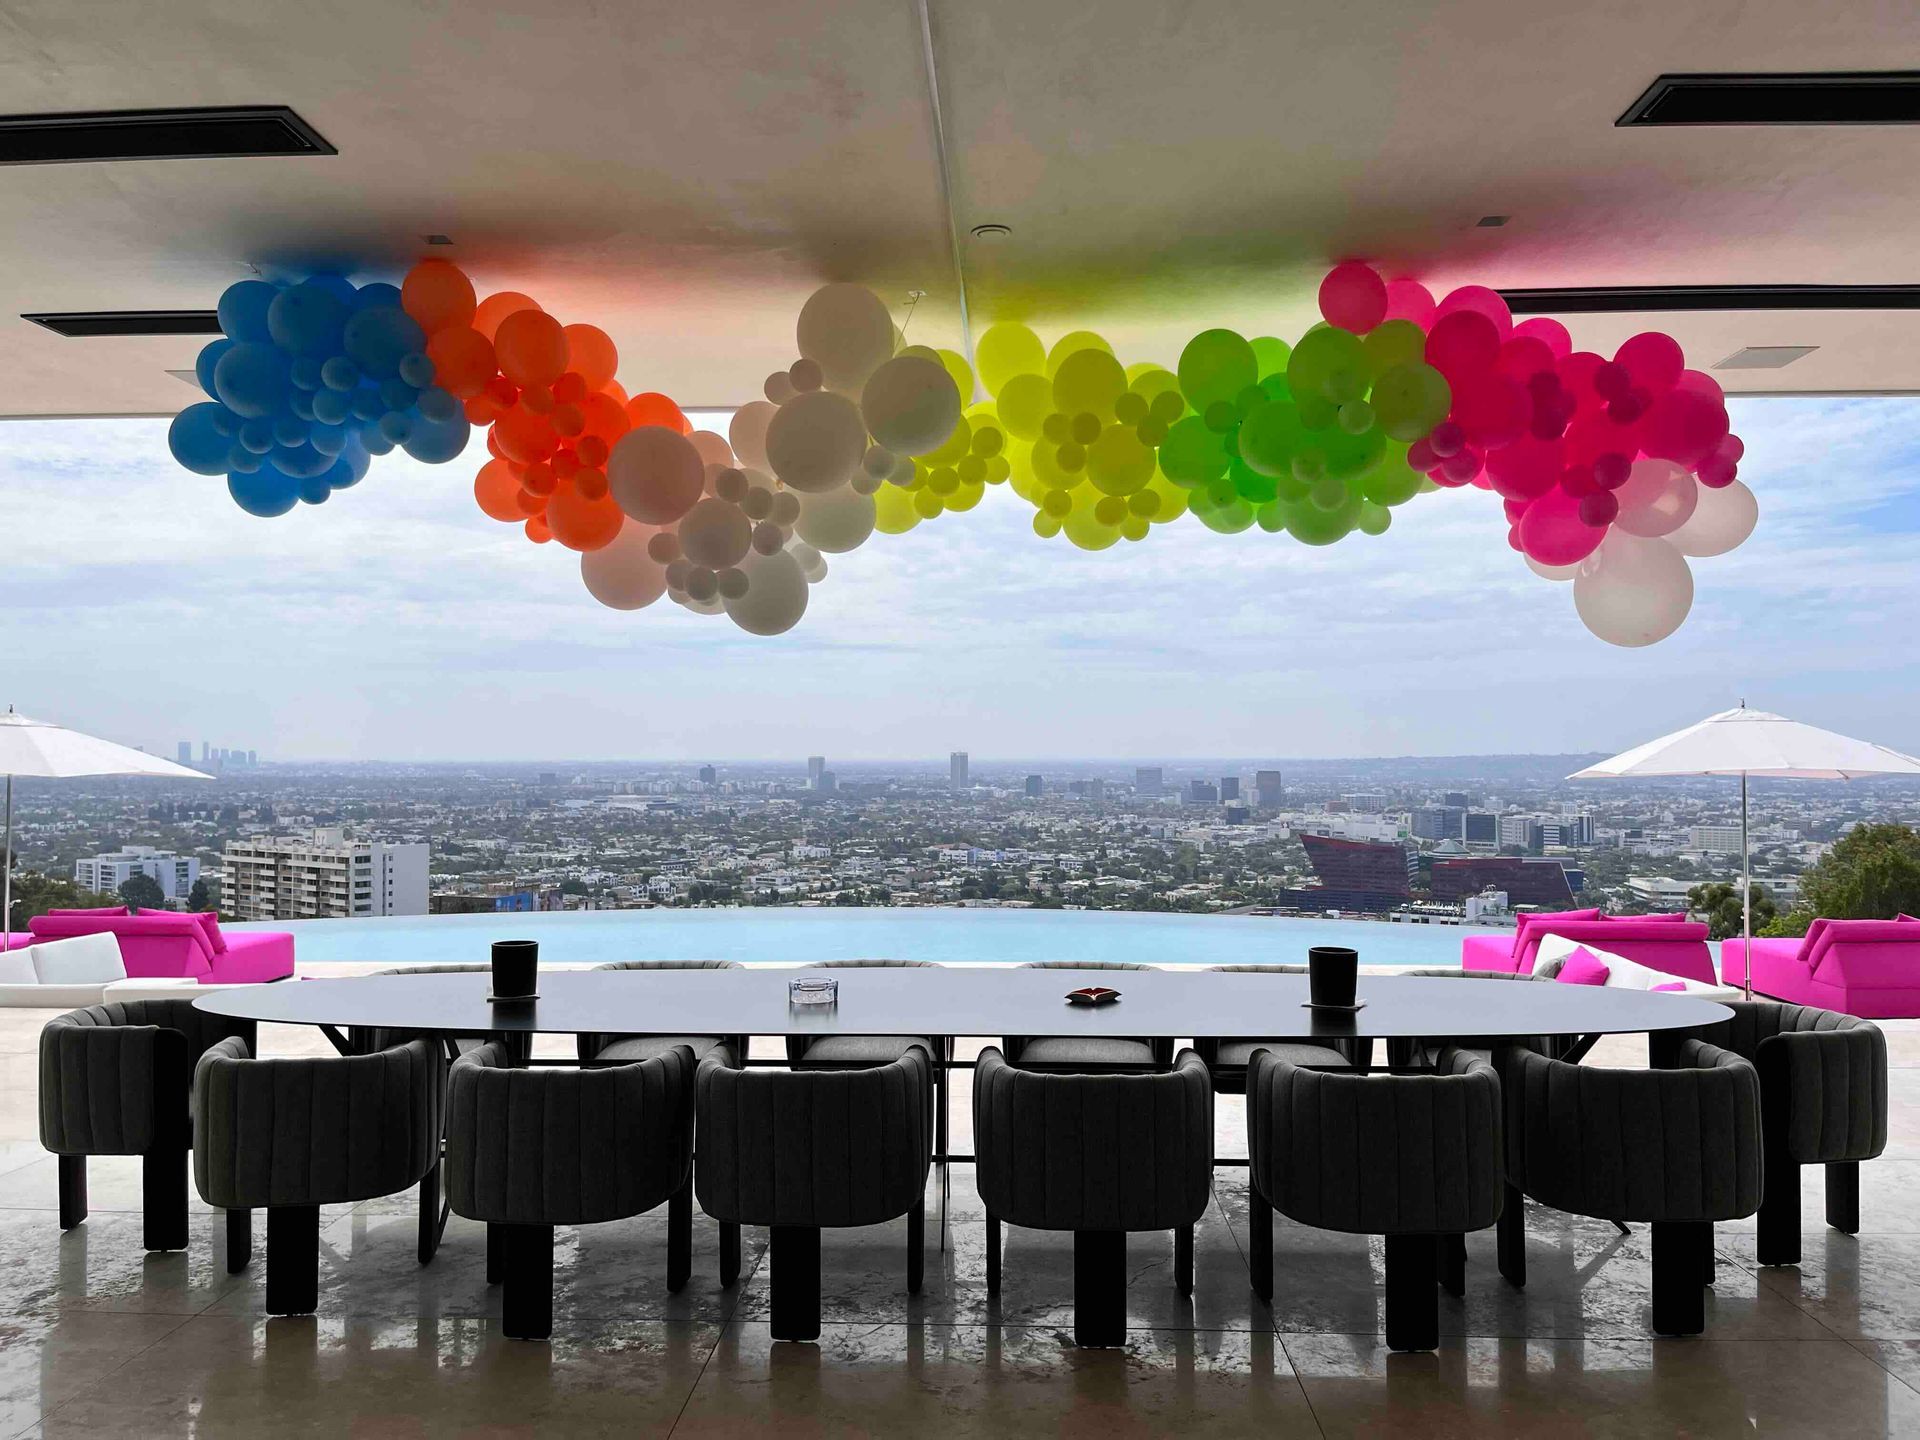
1092, 995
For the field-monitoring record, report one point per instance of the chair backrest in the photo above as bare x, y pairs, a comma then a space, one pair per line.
1665, 1144
549, 1146
873, 964
671, 965
1093, 1152
1377, 1154
317, 1130
369, 1038
464, 967
813, 1147
1085, 965
1262, 969
105, 1068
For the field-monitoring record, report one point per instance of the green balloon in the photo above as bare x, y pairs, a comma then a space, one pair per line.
1229, 519
1270, 354
1192, 454
1349, 455
1409, 400
1250, 484
1374, 519
1215, 367
1394, 342
1270, 437
1271, 518
1316, 411
1392, 481
1330, 364
1311, 525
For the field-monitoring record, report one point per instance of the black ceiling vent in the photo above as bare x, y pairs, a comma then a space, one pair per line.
86, 324
199, 133
1618, 299
1879, 98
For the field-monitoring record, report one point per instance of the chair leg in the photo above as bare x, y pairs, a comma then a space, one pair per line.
163, 1184
942, 1078
73, 1190
429, 1214
1099, 1287
793, 1282
1510, 1238
1843, 1196
680, 1238
1679, 1298
993, 1254
729, 1253
293, 1259
496, 1254
239, 1240
1453, 1263
1260, 1244
1413, 1304
526, 1305
1777, 1226
1709, 1262
916, 1247
1183, 1259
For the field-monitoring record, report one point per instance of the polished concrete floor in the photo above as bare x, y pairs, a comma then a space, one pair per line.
99, 1339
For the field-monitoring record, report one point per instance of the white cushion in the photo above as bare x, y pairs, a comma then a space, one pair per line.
79, 960
16, 967
1625, 974
51, 997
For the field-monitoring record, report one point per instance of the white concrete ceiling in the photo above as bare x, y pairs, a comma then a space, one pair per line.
683, 174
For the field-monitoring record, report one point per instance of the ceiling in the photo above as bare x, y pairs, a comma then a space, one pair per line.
684, 175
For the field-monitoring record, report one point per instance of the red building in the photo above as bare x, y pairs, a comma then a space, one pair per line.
1383, 868
1527, 882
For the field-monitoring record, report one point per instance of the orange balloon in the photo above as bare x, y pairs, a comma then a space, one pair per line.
580, 523
525, 436
539, 479
495, 308
650, 407
569, 389
529, 503
605, 418
503, 391
592, 483
568, 420
531, 347
481, 409
564, 463
538, 399
591, 449
438, 295
619, 394
462, 360
493, 444
538, 530
497, 489
591, 353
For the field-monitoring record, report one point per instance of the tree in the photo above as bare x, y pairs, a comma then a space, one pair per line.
143, 892
200, 897
1720, 904
35, 894
1872, 873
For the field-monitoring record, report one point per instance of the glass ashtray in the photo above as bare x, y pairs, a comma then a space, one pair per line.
813, 992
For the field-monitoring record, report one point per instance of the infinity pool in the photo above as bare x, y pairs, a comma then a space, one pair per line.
795, 936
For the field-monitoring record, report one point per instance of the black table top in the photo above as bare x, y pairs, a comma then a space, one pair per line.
967, 1002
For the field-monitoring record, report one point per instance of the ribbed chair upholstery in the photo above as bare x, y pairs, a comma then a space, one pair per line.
368, 1038
625, 1048
1677, 1147
1098, 1155
858, 1052
529, 1149
1076, 1054
117, 1080
800, 1150
1227, 1058
1426, 1052
291, 1135
1415, 1158
1823, 1101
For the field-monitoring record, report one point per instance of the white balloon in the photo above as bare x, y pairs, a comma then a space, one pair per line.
786, 509
702, 584
715, 534
847, 331
1551, 572
838, 521
1633, 591
1657, 498
731, 583
623, 575
655, 474
713, 448
910, 404
815, 441
1722, 519
811, 564
776, 595
748, 431
779, 387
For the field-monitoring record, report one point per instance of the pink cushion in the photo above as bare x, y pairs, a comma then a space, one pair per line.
96, 910
1673, 915
1531, 918
1676, 985
1582, 967
209, 923
1908, 919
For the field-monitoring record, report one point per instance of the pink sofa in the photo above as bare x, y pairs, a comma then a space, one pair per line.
1869, 968
166, 943
1679, 947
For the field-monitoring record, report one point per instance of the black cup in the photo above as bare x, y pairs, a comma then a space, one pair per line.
515, 963
1333, 972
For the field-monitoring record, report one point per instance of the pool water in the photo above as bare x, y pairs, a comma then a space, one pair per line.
949, 935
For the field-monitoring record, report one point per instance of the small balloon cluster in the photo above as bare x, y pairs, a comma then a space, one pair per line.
308, 382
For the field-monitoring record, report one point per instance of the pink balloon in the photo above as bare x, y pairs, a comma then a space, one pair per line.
1353, 297
1410, 300
1514, 510
1732, 448
1576, 377
1491, 411
1526, 469
1717, 472
1525, 356
1481, 301
1579, 481
1699, 382
1598, 509
1594, 434
1683, 426
1553, 533
1549, 330
1461, 468
1462, 344
1422, 456
1653, 359
1447, 439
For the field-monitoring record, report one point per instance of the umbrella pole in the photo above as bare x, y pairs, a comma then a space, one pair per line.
6, 886
1746, 892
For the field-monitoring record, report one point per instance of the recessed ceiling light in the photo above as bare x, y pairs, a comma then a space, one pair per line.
87, 324
992, 232
1491, 222
1882, 98
1627, 299
438, 239
1765, 357
199, 133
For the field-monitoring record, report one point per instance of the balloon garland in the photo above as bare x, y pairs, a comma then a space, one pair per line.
1612, 472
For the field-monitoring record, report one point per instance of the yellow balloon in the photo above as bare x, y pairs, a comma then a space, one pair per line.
1087, 532
1117, 462
1024, 403
1071, 344
1173, 499
1394, 342
1045, 456
1087, 382
1021, 476
961, 372
954, 446
1044, 525
928, 504
1004, 351
966, 496
893, 512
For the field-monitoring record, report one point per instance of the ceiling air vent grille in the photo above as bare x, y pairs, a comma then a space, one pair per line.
88, 324
203, 134
1628, 299
1881, 98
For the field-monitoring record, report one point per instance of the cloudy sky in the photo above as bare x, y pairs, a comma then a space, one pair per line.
398, 622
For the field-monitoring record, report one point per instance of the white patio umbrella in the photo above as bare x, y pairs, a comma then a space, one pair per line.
1747, 742
36, 748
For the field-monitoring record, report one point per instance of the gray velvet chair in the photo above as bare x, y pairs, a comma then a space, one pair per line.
529, 1149
1823, 1101
800, 1150
1425, 1052
859, 1052
291, 1135
1415, 1158
1081, 1054
1677, 1147
1227, 1058
622, 1049
1098, 1155
369, 1038
117, 1080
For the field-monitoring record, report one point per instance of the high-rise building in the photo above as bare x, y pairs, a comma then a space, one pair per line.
206, 752
1036, 787
1366, 802
1527, 882
183, 752
1480, 827
253, 758
1149, 780
816, 767
1229, 788
1455, 798
1439, 822
323, 875
1714, 839
105, 874
1356, 874
1202, 792
1267, 790
957, 770
707, 775
827, 782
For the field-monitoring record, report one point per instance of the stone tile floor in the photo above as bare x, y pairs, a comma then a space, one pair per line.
99, 1339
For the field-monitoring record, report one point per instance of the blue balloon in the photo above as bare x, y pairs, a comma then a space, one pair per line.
329, 440
226, 422
301, 404
251, 379
209, 357
417, 370
242, 461
304, 372
257, 436
195, 442
436, 442
330, 407
366, 403
307, 319
438, 406
380, 338
337, 286
315, 490
398, 395
299, 461
289, 430
379, 293
243, 310
372, 441
341, 476
396, 426
340, 373
355, 458
265, 492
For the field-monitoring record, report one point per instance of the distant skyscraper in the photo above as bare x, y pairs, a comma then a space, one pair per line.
827, 783
957, 769
1229, 787
816, 767
1267, 791
1455, 798
1035, 787
1202, 792
184, 752
206, 753
1438, 822
706, 775
1148, 780
253, 758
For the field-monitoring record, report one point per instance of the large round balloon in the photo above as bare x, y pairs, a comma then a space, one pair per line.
910, 404
1657, 499
747, 432
836, 521
1007, 350
1633, 591
265, 492
307, 319
438, 295
621, 575
655, 474
196, 440
847, 332
1721, 519
252, 379
815, 441
715, 534
776, 595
